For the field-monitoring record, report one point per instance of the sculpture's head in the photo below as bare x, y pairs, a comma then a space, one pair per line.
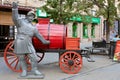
31, 16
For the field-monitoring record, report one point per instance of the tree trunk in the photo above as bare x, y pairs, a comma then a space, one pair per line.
108, 26
108, 32
118, 27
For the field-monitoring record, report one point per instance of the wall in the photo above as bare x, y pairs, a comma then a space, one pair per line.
98, 32
6, 18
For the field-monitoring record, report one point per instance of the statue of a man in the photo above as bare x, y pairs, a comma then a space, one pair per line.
23, 42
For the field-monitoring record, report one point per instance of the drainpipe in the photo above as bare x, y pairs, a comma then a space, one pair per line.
118, 27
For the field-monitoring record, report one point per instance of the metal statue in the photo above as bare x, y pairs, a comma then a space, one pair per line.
23, 42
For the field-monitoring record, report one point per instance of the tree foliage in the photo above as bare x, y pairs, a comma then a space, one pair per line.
62, 10
107, 9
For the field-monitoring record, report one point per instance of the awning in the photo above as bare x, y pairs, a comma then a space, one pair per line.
86, 19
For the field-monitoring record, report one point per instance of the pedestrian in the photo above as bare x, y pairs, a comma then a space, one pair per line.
112, 35
116, 38
113, 46
23, 42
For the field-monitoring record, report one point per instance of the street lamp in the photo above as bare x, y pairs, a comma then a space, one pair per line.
118, 24
60, 14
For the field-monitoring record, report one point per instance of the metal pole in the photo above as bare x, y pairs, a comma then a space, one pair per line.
60, 15
118, 27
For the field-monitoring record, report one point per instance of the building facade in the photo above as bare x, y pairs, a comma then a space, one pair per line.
7, 29
92, 31
89, 32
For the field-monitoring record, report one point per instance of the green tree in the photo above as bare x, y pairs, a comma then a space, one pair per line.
107, 9
62, 10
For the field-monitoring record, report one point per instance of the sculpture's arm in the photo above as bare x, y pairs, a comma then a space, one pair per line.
41, 38
15, 15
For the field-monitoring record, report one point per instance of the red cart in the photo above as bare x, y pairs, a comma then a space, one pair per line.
70, 57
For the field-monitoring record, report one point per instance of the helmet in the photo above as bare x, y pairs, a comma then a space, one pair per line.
31, 12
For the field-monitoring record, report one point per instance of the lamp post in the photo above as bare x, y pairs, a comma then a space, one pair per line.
119, 25
60, 15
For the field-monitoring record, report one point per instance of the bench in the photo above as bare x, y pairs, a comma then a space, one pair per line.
102, 46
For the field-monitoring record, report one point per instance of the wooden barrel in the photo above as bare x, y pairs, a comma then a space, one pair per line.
55, 33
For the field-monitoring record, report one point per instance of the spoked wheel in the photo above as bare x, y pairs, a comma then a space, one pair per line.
70, 62
12, 59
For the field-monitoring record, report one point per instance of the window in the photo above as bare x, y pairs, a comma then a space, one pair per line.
85, 31
93, 31
11, 31
74, 30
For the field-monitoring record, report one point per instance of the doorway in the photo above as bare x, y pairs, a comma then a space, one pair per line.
6, 35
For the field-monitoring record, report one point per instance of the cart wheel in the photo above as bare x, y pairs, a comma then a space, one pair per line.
40, 56
70, 62
12, 60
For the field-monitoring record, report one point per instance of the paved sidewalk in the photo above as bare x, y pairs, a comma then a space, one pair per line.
98, 70
102, 69
108, 72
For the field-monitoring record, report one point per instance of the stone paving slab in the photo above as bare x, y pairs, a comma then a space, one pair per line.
50, 67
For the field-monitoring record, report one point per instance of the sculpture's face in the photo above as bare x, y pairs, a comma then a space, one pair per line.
30, 17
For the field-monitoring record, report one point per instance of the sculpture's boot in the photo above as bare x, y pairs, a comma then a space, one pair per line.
24, 73
35, 70
23, 66
34, 65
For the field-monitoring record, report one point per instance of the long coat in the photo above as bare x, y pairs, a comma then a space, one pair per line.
25, 32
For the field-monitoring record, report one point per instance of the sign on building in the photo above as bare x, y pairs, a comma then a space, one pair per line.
29, 3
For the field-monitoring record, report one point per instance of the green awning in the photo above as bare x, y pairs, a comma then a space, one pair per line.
77, 18
86, 19
95, 20
51, 20
41, 14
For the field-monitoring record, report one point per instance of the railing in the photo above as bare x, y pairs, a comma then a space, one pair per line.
101, 46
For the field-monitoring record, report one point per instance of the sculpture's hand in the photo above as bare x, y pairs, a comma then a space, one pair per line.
14, 5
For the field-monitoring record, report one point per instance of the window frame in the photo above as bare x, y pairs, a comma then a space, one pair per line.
93, 30
85, 30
